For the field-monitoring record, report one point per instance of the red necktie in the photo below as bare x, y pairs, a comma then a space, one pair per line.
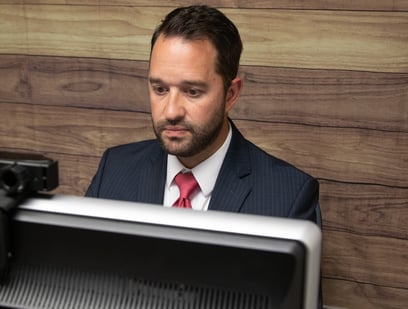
187, 185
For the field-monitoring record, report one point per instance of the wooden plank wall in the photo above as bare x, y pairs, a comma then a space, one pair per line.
326, 88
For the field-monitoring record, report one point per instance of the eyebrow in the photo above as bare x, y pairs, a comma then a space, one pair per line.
190, 83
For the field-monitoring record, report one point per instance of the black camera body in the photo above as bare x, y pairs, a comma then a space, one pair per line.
25, 173
20, 175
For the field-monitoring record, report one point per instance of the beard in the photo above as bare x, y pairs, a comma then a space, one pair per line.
201, 137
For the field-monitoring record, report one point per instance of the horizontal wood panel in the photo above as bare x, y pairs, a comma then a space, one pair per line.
315, 97
351, 155
105, 32
70, 130
370, 259
328, 40
368, 41
348, 155
83, 82
366, 210
325, 98
357, 295
395, 5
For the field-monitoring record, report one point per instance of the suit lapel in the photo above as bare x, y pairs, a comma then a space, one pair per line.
153, 178
232, 186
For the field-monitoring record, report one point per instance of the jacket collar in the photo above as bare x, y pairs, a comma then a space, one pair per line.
232, 188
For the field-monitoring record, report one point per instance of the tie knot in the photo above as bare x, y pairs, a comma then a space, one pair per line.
187, 185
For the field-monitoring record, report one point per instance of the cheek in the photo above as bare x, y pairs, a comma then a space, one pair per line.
154, 108
205, 113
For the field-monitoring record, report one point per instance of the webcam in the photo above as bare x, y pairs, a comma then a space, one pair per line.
22, 173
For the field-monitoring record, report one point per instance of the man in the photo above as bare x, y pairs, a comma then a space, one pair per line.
193, 83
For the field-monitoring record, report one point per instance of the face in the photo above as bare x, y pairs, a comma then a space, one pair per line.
189, 104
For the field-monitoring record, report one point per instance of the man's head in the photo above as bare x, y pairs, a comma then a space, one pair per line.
191, 87
202, 22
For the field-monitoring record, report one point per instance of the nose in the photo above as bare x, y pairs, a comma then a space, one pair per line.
174, 109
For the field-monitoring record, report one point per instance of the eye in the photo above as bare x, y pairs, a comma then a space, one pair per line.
193, 92
159, 90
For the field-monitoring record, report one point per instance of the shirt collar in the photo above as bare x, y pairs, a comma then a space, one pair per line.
206, 172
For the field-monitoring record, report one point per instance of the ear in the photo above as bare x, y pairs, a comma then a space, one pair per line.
233, 93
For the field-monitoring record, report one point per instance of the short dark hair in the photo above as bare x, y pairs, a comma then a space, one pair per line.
198, 22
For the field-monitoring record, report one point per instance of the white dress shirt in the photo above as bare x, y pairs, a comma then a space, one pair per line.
205, 173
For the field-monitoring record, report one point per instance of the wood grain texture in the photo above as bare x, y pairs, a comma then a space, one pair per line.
325, 98
365, 210
368, 41
314, 97
358, 295
82, 82
377, 5
345, 256
349, 155
355, 155
70, 130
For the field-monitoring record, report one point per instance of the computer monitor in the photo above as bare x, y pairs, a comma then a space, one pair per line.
77, 252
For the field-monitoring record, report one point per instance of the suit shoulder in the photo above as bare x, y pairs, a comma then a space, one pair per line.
133, 151
132, 148
268, 163
291, 191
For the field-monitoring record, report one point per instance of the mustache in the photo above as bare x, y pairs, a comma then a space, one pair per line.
162, 125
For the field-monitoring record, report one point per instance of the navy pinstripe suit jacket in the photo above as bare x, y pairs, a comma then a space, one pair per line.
250, 180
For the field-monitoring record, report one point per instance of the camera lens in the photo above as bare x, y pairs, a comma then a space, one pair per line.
14, 179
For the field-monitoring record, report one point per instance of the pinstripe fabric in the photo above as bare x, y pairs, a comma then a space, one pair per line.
250, 180
131, 172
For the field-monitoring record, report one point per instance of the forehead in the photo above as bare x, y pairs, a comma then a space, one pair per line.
175, 57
